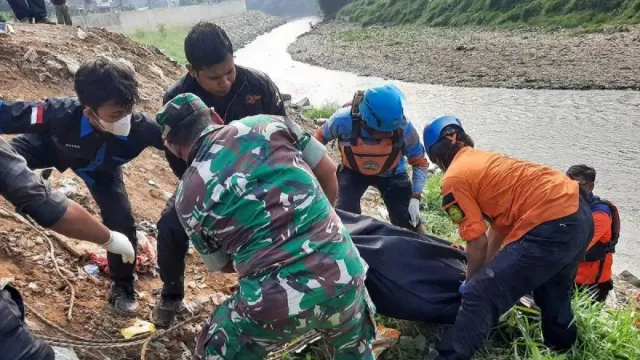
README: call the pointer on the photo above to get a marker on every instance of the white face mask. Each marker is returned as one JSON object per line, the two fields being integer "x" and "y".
{"x": 121, "y": 127}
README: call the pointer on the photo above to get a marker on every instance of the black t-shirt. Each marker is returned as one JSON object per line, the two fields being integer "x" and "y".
{"x": 253, "y": 93}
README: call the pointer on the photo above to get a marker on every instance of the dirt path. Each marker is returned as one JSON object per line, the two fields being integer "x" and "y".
{"x": 515, "y": 58}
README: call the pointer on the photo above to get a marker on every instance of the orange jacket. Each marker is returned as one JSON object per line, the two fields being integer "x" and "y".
{"x": 513, "y": 195}
{"x": 587, "y": 271}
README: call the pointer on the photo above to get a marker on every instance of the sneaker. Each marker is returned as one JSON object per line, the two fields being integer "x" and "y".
{"x": 123, "y": 301}
{"x": 25, "y": 20}
{"x": 46, "y": 20}
{"x": 164, "y": 312}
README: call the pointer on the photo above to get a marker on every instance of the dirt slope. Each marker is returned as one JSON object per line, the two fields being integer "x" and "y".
{"x": 36, "y": 63}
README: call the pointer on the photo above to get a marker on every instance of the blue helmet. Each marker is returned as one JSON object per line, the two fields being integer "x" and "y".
{"x": 382, "y": 108}
{"x": 433, "y": 132}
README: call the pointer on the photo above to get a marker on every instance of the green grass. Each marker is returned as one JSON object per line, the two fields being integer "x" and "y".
{"x": 604, "y": 334}
{"x": 322, "y": 112}
{"x": 170, "y": 41}
{"x": 564, "y": 13}
{"x": 436, "y": 221}
{"x": 5, "y": 16}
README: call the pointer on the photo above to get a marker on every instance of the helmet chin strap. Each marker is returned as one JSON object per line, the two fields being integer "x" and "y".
{"x": 453, "y": 137}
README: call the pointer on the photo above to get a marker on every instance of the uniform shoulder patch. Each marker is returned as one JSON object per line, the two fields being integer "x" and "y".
{"x": 452, "y": 208}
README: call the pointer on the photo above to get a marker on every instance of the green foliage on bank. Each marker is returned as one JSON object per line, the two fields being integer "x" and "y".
{"x": 565, "y": 13}
{"x": 285, "y": 8}
{"x": 330, "y": 8}
{"x": 169, "y": 41}
{"x": 322, "y": 112}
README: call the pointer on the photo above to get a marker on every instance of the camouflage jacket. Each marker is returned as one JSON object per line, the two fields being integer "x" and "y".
{"x": 250, "y": 197}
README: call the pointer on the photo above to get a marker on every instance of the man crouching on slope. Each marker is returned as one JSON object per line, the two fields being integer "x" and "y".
{"x": 250, "y": 199}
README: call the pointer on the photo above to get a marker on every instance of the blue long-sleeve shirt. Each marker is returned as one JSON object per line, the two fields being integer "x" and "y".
{"x": 339, "y": 127}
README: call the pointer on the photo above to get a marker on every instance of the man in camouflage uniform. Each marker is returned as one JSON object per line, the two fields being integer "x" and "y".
{"x": 250, "y": 199}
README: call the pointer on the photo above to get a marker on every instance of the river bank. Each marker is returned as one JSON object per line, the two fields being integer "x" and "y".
{"x": 478, "y": 57}
{"x": 241, "y": 29}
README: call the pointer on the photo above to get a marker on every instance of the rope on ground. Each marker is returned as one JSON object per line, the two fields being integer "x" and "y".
{"x": 143, "y": 353}
{"x": 51, "y": 252}
{"x": 72, "y": 335}
{"x": 111, "y": 344}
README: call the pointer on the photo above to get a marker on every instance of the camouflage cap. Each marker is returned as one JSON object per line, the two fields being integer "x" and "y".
{"x": 177, "y": 110}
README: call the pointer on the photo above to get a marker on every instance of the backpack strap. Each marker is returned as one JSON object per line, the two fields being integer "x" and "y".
{"x": 356, "y": 118}
{"x": 396, "y": 148}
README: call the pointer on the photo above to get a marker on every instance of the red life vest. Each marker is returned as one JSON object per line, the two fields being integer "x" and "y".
{"x": 370, "y": 159}
{"x": 599, "y": 251}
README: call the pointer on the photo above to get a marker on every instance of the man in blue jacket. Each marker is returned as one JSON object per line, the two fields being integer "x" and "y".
{"x": 376, "y": 143}
{"x": 93, "y": 135}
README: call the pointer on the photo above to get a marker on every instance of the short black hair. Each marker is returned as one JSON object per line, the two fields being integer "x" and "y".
{"x": 586, "y": 172}
{"x": 186, "y": 132}
{"x": 207, "y": 44}
{"x": 102, "y": 80}
{"x": 443, "y": 151}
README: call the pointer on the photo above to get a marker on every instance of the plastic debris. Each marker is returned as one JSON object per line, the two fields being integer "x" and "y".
{"x": 81, "y": 34}
{"x": 92, "y": 269}
{"x": 146, "y": 259}
{"x": 386, "y": 338}
{"x": 6, "y": 28}
{"x": 139, "y": 327}
{"x": 218, "y": 298}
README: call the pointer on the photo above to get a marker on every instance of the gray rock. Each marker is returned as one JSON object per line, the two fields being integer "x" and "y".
{"x": 405, "y": 341}
{"x": 30, "y": 56}
{"x": 630, "y": 278}
{"x": 420, "y": 342}
{"x": 64, "y": 353}
{"x": 304, "y": 102}
{"x": 320, "y": 121}
{"x": 285, "y": 97}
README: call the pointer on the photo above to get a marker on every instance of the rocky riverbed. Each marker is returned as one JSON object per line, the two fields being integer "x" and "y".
{"x": 472, "y": 57}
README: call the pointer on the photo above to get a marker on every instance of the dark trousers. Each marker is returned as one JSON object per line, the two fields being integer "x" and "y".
{"x": 173, "y": 244}
{"x": 395, "y": 190}
{"x": 598, "y": 292}
{"x": 16, "y": 341}
{"x": 26, "y": 9}
{"x": 107, "y": 188}
{"x": 544, "y": 261}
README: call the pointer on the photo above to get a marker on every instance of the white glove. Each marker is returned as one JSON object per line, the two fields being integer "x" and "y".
{"x": 414, "y": 211}
{"x": 120, "y": 244}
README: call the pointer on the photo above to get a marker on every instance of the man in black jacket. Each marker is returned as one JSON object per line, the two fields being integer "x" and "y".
{"x": 234, "y": 92}
{"x": 93, "y": 135}
{"x": 33, "y": 196}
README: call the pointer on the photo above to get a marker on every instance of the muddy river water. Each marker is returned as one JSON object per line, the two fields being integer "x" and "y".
{"x": 555, "y": 127}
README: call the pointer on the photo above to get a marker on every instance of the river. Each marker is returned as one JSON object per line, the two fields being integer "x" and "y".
{"x": 556, "y": 127}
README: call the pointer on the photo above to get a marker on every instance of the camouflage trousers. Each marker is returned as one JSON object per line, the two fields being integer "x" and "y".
{"x": 346, "y": 322}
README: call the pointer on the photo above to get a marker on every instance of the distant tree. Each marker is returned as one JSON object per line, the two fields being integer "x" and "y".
{"x": 330, "y": 8}
{"x": 285, "y": 8}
